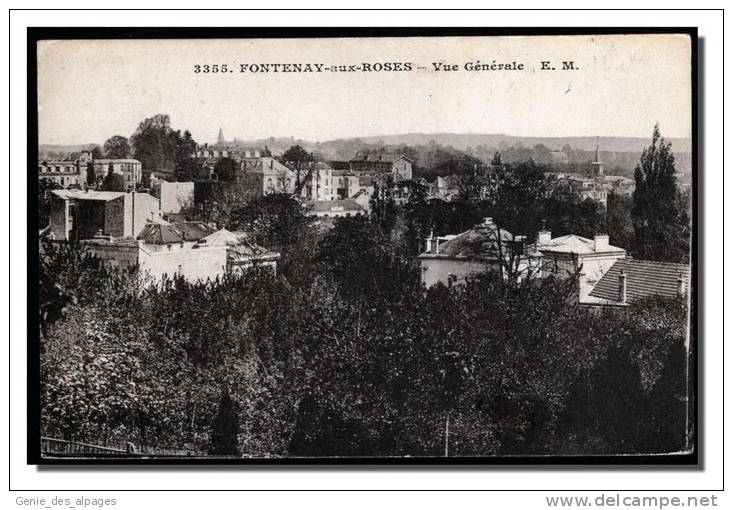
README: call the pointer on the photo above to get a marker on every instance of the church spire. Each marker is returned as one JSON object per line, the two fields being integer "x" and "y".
{"x": 220, "y": 140}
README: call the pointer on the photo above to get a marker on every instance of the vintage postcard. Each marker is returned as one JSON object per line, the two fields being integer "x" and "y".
{"x": 304, "y": 246}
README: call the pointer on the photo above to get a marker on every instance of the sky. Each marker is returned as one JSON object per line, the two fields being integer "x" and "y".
{"x": 91, "y": 90}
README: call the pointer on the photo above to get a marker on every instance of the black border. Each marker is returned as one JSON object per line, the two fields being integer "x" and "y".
{"x": 35, "y": 34}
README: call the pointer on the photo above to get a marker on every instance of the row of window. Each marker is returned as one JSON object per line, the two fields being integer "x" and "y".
{"x": 57, "y": 169}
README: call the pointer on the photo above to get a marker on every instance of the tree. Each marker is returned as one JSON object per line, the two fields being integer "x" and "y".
{"x": 117, "y": 147}
{"x": 661, "y": 223}
{"x": 45, "y": 186}
{"x": 225, "y": 429}
{"x": 382, "y": 204}
{"x": 91, "y": 175}
{"x": 113, "y": 181}
{"x": 226, "y": 169}
{"x": 186, "y": 170}
{"x": 302, "y": 163}
{"x": 158, "y": 146}
{"x": 97, "y": 152}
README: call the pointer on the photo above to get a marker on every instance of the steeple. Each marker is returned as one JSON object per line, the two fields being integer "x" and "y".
{"x": 220, "y": 140}
{"x": 597, "y": 164}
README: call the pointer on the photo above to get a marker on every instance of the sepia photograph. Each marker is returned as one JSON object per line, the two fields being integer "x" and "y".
{"x": 354, "y": 246}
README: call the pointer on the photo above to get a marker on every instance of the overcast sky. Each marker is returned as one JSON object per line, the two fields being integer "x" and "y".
{"x": 91, "y": 90}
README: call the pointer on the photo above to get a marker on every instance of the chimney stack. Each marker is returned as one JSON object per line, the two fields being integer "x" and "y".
{"x": 622, "y": 287}
{"x": 544, "y": 236}
{"x": 600, "y": 242}
{"x": 681, "y": 285}
{"x": 429, "y": 243}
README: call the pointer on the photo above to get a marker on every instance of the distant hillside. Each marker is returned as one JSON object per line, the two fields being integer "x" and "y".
{"x": 49, "y": 151}
{"x": 621, "y": 154}
{"x": 499, "y": 141}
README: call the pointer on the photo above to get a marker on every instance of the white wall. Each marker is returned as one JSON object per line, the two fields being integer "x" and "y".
{"x": 434, "y": 270}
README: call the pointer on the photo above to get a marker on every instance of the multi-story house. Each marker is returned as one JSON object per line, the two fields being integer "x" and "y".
{"x": 320, "y": 184}
{"x": 64, "y": 173}
{"x": 397, "y": 165}
{"x": 265, "y": 175}
{"x": 130, "y": 169}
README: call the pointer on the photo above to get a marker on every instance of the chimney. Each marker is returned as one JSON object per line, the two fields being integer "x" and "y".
{"x": 429, "y": 241}
{"x": 600, "y": 242}
{"x": 622, "y": 287}
{"x": 681, "y": 285}
{"x": 544, "y": 236}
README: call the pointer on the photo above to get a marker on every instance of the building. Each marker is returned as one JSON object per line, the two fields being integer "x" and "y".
{"x": 567, "y": 255}
{"x": 163, "y": 250}
{"x": 241, "y": 251}
{"x": 320, "y": 185}
{"x": 265, "y": 175}
{"x": 78, "y": 215}
{"x": 597, "y": 165}
{"x": 444, "y": 187}
{"x": 364, "y": 199}
{"x": 397, "y": 165}
{"x": 558, "y": 157}
{"x": 131, "y": 170}
{"x": 346, "y": 183}
{"x": 452, "y": 259}
{"x": 64, "y": 173}
{"x": 228, "y": 150}
{"x": 334, "y": 208}
{"x": 628, "y": 280}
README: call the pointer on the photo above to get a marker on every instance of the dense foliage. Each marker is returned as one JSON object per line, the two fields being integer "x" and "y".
{"x": 356, "y": 359}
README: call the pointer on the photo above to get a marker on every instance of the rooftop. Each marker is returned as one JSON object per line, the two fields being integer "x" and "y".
{"x": 480, "y": 242}
{"x": 379, "y": 158}
{"x": 643, "y": 278}
{"x": 75, "y": 194}
{"x": 121, "y": 160}
{"x": 238, "y": 244}
{"x": 347, "y": 204}
{"x": 572, "y": 243}
{"x": 265, "y": 165}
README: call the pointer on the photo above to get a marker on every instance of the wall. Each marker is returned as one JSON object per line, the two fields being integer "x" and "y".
{"x": 115, "y": 214}
{"x": 593, "y": 268}
{"x": 60, "y": 220}
{"x": 438, "y": 269}
{"x": 139, "y": 208}
{"x": 193, "y": 265}
{"x": 115, "y": 255}
{"x": 403, "y": 168}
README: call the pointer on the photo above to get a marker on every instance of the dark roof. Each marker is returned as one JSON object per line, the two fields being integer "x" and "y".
{"x": 480, "y": 242}
{"x": 330, "y": 205}
{"x": 159, "y": 233}
{"x": 643, "y": 278}
{"x": 379, "y": 158}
